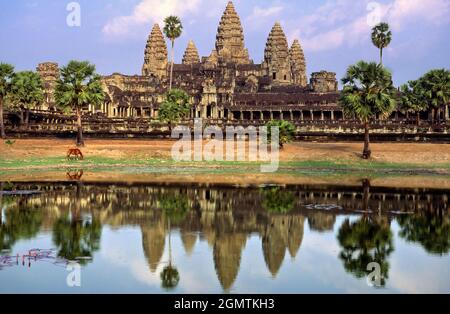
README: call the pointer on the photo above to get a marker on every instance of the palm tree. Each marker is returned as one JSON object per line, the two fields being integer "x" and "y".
{"x": 436, "y": 84}
{"x": 79, "y": 86}
{"x": 363, "y": 242}
{"x": 286, "y": 131}
{"x": 26, "y": 92}
{"x": 172, "y": 29}
{"x": 381, "y": 37}
{"x": 174, "y": 108}
{"x": 413, "y": 98}
{"x": 6, "y": 75}
{"x": 368, "y": 92}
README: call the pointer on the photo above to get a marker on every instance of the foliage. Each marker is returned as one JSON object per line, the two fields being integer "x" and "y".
{"x": 381, "y": 37}
{"x": 435, "y": 85}
{"x": 172, "y": 27}
{"x": 10, "y": 142}
{"x": 175, "y": 108}
{"x": 6, "y": 76}
{"x": 431, "y": 230}
{"x": 76, "y": 238}
{"x": 26, "y": 90}
{"x": 368, "y": 91}
{"x": 78, "y": 86}
{"x": 413, "y": 97}
{"x": 364, "y": 242}
{"x": 276, "y": 200}
{"x": 174, "y": 206}
{"x": 286, "y": 131}
{"x": 21, "y": 222}
{"x": 169, "y": 277}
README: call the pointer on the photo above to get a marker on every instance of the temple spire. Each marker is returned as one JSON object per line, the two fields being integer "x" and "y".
{"x": 230, "y": 44}
{"x": 298, "y": 64}
{"x": 191, "y": 55}
{"x": 155, "y": 60}
{"x": 276, "y": 56}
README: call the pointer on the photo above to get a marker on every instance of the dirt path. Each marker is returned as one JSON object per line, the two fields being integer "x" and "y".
{"x": 406, "y": 153}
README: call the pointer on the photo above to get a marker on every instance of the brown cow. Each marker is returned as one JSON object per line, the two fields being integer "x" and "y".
{"x": 76, "y": 153}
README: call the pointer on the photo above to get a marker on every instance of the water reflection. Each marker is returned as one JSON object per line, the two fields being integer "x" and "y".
{"x": 225, "y": 218}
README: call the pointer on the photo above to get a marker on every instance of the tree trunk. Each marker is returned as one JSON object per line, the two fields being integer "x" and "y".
{"x": 21, "y": 117}
{"x": 80, "y": 141}
{"x": 171, "y": 64}
{"x": 366, "y": 194}
{"x": 366, "y": 153}
{"x": 27, "y": 118}
{"x": 418, "y": 118}
{"x": 432, "y": 116}
{"x": 381, "y": 56}
{"x": 2, "y": 124}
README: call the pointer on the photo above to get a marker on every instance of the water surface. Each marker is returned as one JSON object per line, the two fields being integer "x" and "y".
{"x": 215, "y": 239}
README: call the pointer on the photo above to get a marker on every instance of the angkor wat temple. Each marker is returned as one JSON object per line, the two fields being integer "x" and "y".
{"x": 226, "y": 87}
{"x": 226, "y": 84}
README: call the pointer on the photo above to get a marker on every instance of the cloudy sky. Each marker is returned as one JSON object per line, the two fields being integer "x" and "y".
{"x": 334, "y": 33}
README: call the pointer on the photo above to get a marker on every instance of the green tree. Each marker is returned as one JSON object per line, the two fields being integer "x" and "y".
{"x": 78, "y": 87}
{"x": 76, "y": 238}
{"x": 173, "y": 30}
{"x": 286, "y": 131}
{"x": 175, "y": 108}
{"x": 430, "y": 229}
{"x": 413, "y": 98}
{"x": 363, "y": 242}
{"x": 6, "y": 75}
{"x": 436, "y": 86}
{"x": 22, "y": 221}
{"x": 278, "y": 201}
{"x": 175, "y": 208}
{"x": 381, "y": 38}
{"x": 26, "y": 92}
{"x": 368, "y": 92}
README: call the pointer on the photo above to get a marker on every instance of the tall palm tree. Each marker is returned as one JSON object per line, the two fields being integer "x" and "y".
{"x": 436, "y": 84}
{"x": 79, "y": 86}
{"x": 173, "y": 30}
{"x": 6, "y": 75}
{"x": 413, "y": 98}
{"x": 368, "y": 92}
{"x": 26, "y": 92}
{"x": 381, "y": 37}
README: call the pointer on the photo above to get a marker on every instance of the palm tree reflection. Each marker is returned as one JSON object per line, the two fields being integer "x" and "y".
{"x": 363, "y": 242}
{"x": 430, "y": 229}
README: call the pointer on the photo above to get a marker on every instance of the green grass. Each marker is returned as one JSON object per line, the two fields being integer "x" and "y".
{"x": 314, "y": 166}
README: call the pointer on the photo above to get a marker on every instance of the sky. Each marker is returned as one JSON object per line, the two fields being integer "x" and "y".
{"x": 112, "y": 34}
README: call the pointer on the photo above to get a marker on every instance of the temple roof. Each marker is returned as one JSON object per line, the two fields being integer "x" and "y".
{"x": 277, "y": 49}
{"x": 191, "y": 54}
{"x": 230, "y": 45}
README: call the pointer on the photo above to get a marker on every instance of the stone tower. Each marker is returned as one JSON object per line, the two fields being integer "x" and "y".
{"x": 155, "y": 61}
{"x": 276, "y": 56}
{"x": 324, "y": 82}
{"x": 298, "y": 64}
{"x": 49, "y": 73}
{"x": 191, "y": 55}
{"x": 230, "y": 45}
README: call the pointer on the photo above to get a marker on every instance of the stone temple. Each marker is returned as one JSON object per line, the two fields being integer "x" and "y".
{"x": 226, "y": 85}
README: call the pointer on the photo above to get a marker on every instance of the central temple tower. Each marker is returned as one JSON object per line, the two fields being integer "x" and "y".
{"x": 230, "y": 46}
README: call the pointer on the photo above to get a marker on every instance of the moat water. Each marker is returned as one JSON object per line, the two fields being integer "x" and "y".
{"x": 105, "y": 238}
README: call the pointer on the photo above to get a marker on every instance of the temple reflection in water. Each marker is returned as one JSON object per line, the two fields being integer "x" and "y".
{"x": 225, "y": 217}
